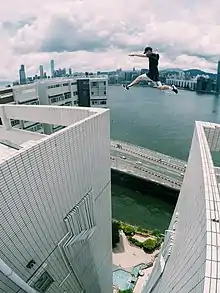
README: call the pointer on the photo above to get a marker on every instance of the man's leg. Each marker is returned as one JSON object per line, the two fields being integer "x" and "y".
{"x": 166, "y": 87}
{"x": 137, "y": 80}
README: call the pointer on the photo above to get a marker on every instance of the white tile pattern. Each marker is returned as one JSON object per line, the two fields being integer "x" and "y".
{"x": 194, "y": 261}
{"x": 41, "y": 184}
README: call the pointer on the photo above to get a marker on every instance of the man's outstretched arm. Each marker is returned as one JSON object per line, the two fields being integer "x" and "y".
{"x": 138, "y": 55}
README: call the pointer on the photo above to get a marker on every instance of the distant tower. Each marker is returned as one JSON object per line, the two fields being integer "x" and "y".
{"x": 218, "y": 78}
{"x": 52, "y": 68}
{"x": 70, "y": 71}
{"x": 22, "y": 75}
{"x": 41, "y": 71}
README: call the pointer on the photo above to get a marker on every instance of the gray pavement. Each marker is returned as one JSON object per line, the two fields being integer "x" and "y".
{"x": 147, "y": 164}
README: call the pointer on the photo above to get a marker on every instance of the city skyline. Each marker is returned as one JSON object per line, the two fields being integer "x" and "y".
{"x": 96, "y": 39}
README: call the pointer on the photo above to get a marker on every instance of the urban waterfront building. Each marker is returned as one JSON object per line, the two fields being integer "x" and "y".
{"x": 22, "y": 75}
{"x": 189, "y": 260}
{"x": 41, "y": 69}
{"x": 218, "y": 78}
{"x": 55, "y": 202}
{"x": 76, "y": 91}
{"x": 186, "y": 84}
{"x": 6, "y": 95}
{"x": 52, "y": 68}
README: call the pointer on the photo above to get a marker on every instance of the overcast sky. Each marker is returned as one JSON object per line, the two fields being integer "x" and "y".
{"x": 99, "y": 34}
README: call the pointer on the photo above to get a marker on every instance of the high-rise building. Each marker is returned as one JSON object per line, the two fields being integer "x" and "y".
{"x": 41, "y": 68}
{"x": 55, "y": 202}
{"x": 22, "y": 75}
{"x": 218, "y": 78}
{"x": 91, "y": 91}
{"x": 52, "y": 68}
{"x": 189, "y": 260}
{"x": 70, "y": 71}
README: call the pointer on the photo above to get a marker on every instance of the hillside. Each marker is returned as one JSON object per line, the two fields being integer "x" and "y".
{"x": 192, "y": 72}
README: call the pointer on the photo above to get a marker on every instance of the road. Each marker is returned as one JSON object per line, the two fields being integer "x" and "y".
{"x": 147, "y": 164}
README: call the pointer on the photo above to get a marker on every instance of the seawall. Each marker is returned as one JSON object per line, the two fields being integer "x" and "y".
{"x": 138, "y": 184}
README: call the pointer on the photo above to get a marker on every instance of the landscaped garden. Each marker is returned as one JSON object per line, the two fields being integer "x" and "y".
{"x": 148, "y": 240}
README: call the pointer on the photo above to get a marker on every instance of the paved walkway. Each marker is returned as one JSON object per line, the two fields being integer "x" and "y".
{"x": 141, "y": 280}
{"x": 127, "y": 256}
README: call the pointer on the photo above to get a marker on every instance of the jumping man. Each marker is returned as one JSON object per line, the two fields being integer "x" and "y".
{"x": 153, "y": 73}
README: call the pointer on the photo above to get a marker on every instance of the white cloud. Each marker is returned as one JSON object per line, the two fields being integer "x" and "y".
{"x": 94, "y": 34}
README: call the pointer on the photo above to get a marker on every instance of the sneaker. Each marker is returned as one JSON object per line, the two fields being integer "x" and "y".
{"x": 126, "y": 86}
{"x": 174, "y": 89}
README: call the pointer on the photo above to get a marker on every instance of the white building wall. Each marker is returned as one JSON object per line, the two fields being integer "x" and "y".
{"x": 25, "y": 93}
{"x": 99, "y": 91}
{"x": 41, "y": 185}
{"x": 193, "y": 240}
{"x": 191, "y": 84}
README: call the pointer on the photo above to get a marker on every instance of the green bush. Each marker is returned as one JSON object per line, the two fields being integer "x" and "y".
{"x": 159, "y": 242}
{"x": 149, "y": 244}
{"x": 126, "y": 291}
{"x": 134, "y": 241}
{"x": 128, "y": 229}
{"x": 115, "y": 233}
{"x": 156, "y": 233}
{"x": 142, "y": 230}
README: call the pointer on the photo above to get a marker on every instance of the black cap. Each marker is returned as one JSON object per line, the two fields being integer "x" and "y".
{"x": 147, "y": 49}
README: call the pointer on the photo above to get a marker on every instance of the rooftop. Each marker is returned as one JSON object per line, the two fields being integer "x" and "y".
{"x": 59, "y": 80}
{"x": 14, "y": 141}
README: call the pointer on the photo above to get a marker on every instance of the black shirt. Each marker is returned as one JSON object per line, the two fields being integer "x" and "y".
{"x": 153, "y": 63}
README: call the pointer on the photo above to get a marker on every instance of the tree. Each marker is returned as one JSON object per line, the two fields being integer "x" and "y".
{"x": 156, "y": 233}
{"x": 115, "y": 233}
{"x": 129, "y": 230}
{"x": 149, "y": 244}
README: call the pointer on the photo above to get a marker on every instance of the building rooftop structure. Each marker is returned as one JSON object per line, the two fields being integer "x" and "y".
{"x": 189, "y": 260}
{"x": 55, "y": 194}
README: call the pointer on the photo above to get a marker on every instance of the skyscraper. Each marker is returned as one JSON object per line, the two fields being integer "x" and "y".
{"x": 52, "y": 68}
{"x": 189, "y": 260}
{"x": 70, "y": 71}
{"x": 22, "y": 75}
{"x": 41, "y": 68}
{"x": 218, "y": 78}
{"x": 55, "y": 202}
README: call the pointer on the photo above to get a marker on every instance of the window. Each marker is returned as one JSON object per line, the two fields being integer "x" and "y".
{"x": 105, "y": 93}
{"x": 104, "y": 82}
{"x": 103, "y": 102}
{"x": 67, "y": 95}
{"x": 53, "y": 86}
{"x": 92, "y": 93}
{"x": 75, "y": 93}
{"x": 55, "y": 99}
{"x": 57, "y": 127}
{"x": 68, "y": 104}
{"x": 14, "y": 122}
{"x": 35, "y": 128}
{"x": 65, "y": 84}
{"x": 73, "y": 83}
{"x": 43, "y": 283}
{"x": 34, "y": 103}
{"x": 75, "y": 102}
